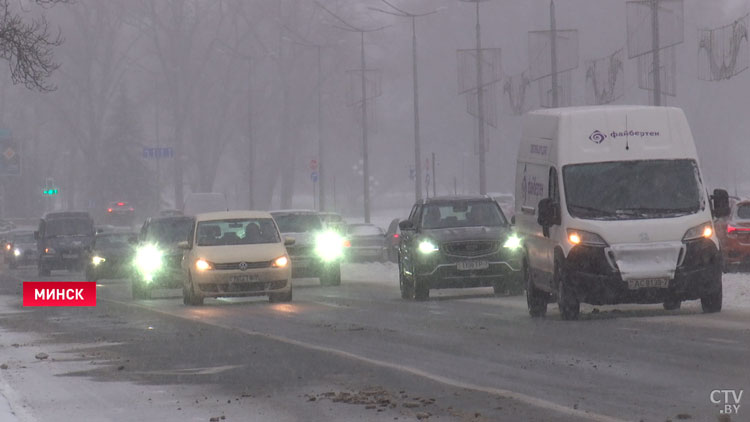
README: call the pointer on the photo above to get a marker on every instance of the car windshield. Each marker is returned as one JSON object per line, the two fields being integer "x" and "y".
{"x": 743, "y": 211}
{"x": 169, "y": 230}
{"x": 624, "y": 190}
{"x": 364, "y": 230}
{"x": 462, "y": 214}
{"x": 237, "y": 232}
{"x": 68, "y": 227}
{"x": 113, "y": 241}
{"x": 24, "y": 238}
{"x": 298, "y": 223}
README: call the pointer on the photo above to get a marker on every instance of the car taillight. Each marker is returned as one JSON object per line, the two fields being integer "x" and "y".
{"x": 731, "y": 229}
{"x": 109, "y": 210}
{"x": 120, "y": 204}
{"x": 395, "y": 235}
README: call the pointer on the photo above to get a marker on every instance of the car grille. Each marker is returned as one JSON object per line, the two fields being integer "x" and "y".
{"x": 236, "y": 265}
{"x": 471, "y": 248}
{"x": 254, "y": 286}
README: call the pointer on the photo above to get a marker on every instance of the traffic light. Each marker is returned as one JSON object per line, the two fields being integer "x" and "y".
{"x": 50, "y": 192}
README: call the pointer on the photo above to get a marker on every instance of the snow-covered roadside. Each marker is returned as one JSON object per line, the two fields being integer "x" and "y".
{"x": 736, "y": 291}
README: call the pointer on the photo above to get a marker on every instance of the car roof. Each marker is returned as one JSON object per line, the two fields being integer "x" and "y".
{"x": 66, "y": 214}
{"x": 293, "y": 211}
{"x": 456, "y": 198}
{"x": 222, "y": 215}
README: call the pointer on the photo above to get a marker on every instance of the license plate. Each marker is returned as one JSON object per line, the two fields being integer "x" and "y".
{"x": 648, "y": 283}
{"x": 246, "y": 278}
{"x": 472, "y": 265}
{"x": 70, "y": 256}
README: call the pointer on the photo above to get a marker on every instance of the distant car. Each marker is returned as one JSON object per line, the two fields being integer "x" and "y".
{"x": 317, "y": 251}
{"x": 392, "y": 239}
{"x": 158, "y": 261}
{"x": 457, "y": 242}
{"x": 333, "y": 221}
{"x": 235, "y": 253}
{"x": 63, "y": 241}
{"x": 22, "y": 249}
{"x": 203, "y": 202}
{"x": 111, "y": 256}
{"x": 734, "y": 237}
{"x": 366, "y": 242}
{"x": 170, "y": 213}
{"x": 120, "y": 213}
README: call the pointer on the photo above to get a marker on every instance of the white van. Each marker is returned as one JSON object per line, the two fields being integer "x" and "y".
{"x": 203, "y": 202}
{"x": 611, "y": 206}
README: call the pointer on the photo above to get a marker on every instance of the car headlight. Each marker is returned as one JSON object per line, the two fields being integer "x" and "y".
{"x": 148, "y": 260}
{"x": 427, "y": 247}
{"x": 582, "y": 237}
{"x": 49, "y": 251}
{"x": 96, "y": 260}
{"x": 329, "y": 246}
{"x": 513, "y": 242}
{"x": 704, "y": 230}
{"x": 281, "y": 262}
{"x": 203, "y": 265}
{"x": 17, "y": 252}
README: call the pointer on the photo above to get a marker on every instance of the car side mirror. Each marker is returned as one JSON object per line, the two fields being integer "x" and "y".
{"x": 289, "y": 241}
{"x": 36, "y": 235}
{"x": 720, "y": 203}
{"x": 549, "y": 213}
{"x": 184, "y": 245}
{"x": 406, "y": 225}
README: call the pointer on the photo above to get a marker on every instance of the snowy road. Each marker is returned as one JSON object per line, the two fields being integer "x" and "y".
{"x": 480, "y": 357}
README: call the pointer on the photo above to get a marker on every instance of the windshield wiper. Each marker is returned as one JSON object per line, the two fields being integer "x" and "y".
{"x": 596, "y": 211}
{"x": 642, "y": 211}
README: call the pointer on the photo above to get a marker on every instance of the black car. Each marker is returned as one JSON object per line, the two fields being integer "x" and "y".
{"x": 457, "y": 242}
{"x": 64, "y": 241}
{"x": 22, "y": 250}
{"x": 157, "y": 261}
{"x": 366, "y": 242}
{"x": 111, "y": 256}
{"x": 317, "y": 250}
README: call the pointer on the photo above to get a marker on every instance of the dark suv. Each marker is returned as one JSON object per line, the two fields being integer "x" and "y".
{"x": 158, "y": 260}
{"x": 457, "y": 242}
{"x": 64, "y": 241}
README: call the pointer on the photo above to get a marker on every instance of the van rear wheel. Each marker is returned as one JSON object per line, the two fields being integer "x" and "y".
{"x": 567, "y": 301}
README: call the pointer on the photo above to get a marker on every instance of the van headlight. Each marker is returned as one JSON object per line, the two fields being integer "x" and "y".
{"x": 428, "y": 247}
{"x": 582, "y": 237}
{"x": 329, "y": 245}
{"x": 705, "y": 230}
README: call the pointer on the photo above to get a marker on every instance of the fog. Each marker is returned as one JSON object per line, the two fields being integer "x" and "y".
{"x": 199, "y": 76}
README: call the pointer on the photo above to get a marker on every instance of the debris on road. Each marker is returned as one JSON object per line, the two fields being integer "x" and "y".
{"x": 41, "y": 356}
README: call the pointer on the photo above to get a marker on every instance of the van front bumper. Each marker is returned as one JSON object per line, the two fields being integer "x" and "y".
{"x": 594, "y": 281}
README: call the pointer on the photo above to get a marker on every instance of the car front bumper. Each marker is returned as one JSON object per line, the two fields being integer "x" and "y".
{"x": 444, "y": 272}
{"x": 235, "y": 283}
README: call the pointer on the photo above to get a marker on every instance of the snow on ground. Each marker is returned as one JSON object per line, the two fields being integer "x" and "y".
{"x": 736, "y": 291}
{"x": 378, "y": 272}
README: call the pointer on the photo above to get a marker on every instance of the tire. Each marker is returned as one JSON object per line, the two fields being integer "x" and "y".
{"x": 711, "y": 303}
{"x": 189, "y": 297}
{"x": 331, "y": 275}
{"x": 536, "y": 300}
{"x": 672, "y": 304}
{"x": 281, "y": 297}
{"x": 567, "y": 302}
{"x": 407, "y": 288}
{"x": 43, "y": 270}
{"x": 421, "y": 289}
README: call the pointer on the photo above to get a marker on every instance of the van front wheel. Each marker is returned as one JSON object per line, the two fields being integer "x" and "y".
{"x": 567, "y": 301}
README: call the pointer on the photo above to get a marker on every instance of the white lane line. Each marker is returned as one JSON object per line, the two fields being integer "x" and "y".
{"x": 194, "y": 371}
{"x": 722, "y": 340}
{"x": 523, "y": 398}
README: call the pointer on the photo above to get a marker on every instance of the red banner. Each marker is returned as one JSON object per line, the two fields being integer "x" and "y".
{"x": 59, "y": 293}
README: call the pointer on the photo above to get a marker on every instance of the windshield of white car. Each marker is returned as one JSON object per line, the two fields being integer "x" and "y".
{"x": 462, "y": 214}
{"x": 630, "y": 190}
{"x": 252, "y": 231}
{"x": 298, "y": 223}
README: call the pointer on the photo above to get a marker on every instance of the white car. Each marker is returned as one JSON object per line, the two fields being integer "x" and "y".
{"x": 236, "y": 253}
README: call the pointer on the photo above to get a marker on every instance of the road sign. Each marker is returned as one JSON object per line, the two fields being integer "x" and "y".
{"x": 314, "y": 176}
{"x": 10, "y": 159}
{"x": 314, "y": 165}
{"x": 158, "y": 153}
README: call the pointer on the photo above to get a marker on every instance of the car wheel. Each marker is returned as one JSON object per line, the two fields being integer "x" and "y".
{"x": 331, "y": 275}
{"x": 407, "y": 290}
{"x": 567, "y": 302}
{"x": 281, "y": 297}
{"x": 711, "y": 303}
{"x": 421, "y": 288}
{"x": 535, "y": 299}
{"x": 672, "y": 304}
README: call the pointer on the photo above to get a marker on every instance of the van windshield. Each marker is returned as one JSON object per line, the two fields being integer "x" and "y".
{"x": 69, "y": 227}
{"x": 629, "y": 190}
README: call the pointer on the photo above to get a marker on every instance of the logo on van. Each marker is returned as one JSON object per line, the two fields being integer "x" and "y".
{"x": 597, "y": 137}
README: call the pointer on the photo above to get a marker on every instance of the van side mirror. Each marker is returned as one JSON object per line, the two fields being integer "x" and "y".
{"x": 406, "y": 225}
{"x": 720, "y": 203}
{"x": 549, "y": 213}
{"x": 36, "y": 235}
{"x": 289, "y": 241}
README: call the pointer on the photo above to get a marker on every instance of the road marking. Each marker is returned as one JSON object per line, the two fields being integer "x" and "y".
{"x": 194, "y": 371}
{"x": 722, "y": 340}
{"x": 523, "y": 398}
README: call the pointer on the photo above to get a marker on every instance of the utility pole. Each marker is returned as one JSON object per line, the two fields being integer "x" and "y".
{"x": 415, "y": 74}
{"x": 434, "y": 177}
{"x": 553, "y": 49}
{"x": 365, "y": 158}
{"x": 655, "y": 47}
